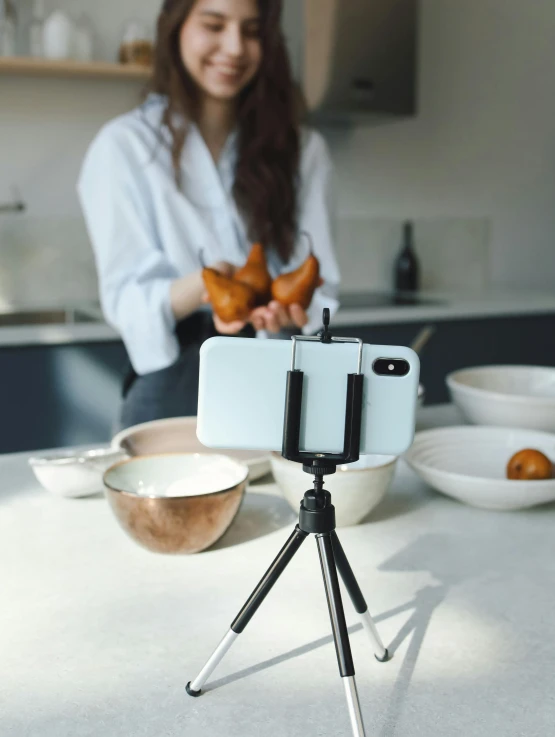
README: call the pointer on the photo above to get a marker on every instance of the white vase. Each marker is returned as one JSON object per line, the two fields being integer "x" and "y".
{"x": 58, "y": 36}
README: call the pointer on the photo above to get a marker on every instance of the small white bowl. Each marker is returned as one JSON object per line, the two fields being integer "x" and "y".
{"x": 356, "y": 488}
{"x": 469, "y": 464}
{"x": 75, "y": 475}
{"x": 506, "y": 396}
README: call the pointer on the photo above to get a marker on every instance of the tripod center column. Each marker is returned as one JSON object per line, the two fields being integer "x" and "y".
{"x": 317, "y": 513}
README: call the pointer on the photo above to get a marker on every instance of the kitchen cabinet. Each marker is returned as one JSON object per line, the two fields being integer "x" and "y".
{"x": 460, "y": 343}
{"x": 58, "y": 395}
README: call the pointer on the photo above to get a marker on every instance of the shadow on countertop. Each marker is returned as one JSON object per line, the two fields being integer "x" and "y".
{"x": 259, "y": 515}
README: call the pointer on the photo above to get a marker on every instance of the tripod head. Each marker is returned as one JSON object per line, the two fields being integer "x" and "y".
{"x": 317, "y": 511}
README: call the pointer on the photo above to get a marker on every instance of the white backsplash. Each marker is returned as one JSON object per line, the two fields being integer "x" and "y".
{"x": 49, "y": 262}
{"x": 454, "y": 253}
{"x": 45, "y": 262}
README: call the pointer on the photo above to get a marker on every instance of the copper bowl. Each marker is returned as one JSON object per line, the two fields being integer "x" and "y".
{"x": 176, "y": 503}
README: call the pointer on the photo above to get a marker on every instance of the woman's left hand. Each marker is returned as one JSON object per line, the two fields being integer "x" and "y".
{"x": 274, "y": 317}
{"x": 228, "y": 328}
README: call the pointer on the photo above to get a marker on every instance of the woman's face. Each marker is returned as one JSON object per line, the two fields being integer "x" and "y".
{"x": 220, "y": 46}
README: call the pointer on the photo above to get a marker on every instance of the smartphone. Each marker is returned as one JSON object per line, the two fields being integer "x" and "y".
{"x": 242, "y": 387}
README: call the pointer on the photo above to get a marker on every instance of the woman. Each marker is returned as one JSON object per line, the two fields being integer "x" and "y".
{"x": 213, "y": 161}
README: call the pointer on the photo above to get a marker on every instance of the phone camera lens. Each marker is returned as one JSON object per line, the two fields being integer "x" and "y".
{"x": 394, "y": 367}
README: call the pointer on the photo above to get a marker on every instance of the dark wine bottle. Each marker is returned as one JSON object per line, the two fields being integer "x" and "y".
{"x": 407, "y": 269}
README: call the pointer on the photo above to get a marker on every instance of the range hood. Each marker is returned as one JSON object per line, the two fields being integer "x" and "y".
{"x": 358, "y": 58}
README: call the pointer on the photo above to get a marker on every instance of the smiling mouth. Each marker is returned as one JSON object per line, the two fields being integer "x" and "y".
{"x": 228, "y": 72}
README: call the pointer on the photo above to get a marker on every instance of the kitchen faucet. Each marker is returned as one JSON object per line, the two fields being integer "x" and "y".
{"x": 17, "y": 206}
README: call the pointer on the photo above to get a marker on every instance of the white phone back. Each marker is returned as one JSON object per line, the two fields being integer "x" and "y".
{"x": 242, "y": 395}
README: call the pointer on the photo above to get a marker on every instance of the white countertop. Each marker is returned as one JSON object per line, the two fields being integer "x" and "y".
{"x": 494, "y": 303}
{"x": 468, "y": 305}
{"x": 57, "y": 334}
{"x": 99, "y": 637}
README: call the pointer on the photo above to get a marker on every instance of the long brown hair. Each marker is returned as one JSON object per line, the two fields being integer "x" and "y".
{"x": 267, "y": 171}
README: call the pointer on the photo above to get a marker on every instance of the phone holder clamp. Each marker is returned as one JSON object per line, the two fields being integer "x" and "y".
{"x": 320, "y": 464}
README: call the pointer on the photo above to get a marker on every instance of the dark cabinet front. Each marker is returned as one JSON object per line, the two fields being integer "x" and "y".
{"x": 460, "y": 343}
{"x": 55, "y": 396}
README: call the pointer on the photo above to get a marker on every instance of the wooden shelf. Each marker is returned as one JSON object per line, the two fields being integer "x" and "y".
{"x": 19, "y": 65}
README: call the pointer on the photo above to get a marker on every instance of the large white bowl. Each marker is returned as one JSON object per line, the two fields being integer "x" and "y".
{"x": 179, "y": 435}
{"x": 469, "y": 464}
{"x": 506, "y": 396}
{"x": 356, "y": 488}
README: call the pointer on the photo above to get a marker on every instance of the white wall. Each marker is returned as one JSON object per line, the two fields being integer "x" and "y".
{"x": 45, "y": 127}
{"x": 482, "y": 147}
{"x": 484, "y": 141}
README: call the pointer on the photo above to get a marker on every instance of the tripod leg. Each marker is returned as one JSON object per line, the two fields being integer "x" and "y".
{"x": 249, "y": 610}
{"x": 340, "y": 634}
{"x": 357, "y": 598}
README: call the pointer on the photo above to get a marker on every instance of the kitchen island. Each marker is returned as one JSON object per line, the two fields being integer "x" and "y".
{"x": 99, "y": 637}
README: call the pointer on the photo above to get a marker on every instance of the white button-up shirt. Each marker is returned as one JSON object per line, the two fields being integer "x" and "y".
{"x": 146, "y": 232}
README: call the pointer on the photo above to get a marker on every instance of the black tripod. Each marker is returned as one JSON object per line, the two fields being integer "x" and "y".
{"x": 317, "y": 516}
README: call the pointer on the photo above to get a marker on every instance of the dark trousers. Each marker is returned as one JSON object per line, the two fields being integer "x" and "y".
{"x": 172, "y": 391}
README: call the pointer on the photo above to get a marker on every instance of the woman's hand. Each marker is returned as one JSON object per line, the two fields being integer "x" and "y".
{"x": 228, "y": 328}
{"x": 274, "y": 317}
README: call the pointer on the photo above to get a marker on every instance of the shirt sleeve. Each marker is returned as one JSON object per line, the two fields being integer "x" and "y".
{"x": 316, "y": 215}
{"x": 134, "y": 273}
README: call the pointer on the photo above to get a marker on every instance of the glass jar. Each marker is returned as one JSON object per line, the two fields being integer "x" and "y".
{"x": 36, "y": 29}
{"x": 136, "y": 46}
{"x": 8, "y": 28}
{"x": 83, "y": 38}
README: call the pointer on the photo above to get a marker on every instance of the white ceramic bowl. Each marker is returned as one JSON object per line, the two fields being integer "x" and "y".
{"x": 179, "y": 435}
{"x": 506, "y": 396}
{"x": 356, "y": 488}
{"x": 75, "y": 475}
{"x": 469, "y": 464}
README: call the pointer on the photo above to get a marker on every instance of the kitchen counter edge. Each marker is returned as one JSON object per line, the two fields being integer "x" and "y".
{"x": 470, "y": 307}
